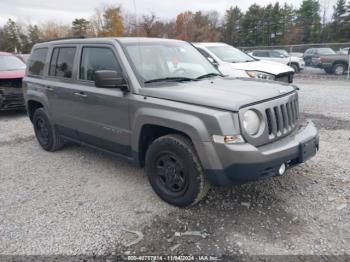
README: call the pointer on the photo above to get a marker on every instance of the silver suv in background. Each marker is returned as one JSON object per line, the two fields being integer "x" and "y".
{"x": 280, "y": 56}
{"x": 160, "y": 104}
{"x": 233, "y": 62}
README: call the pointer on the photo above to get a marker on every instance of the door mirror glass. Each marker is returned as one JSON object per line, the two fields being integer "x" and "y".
{"x": 109, "y": 79}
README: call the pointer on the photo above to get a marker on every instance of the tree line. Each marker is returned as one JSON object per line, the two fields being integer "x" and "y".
{"x": 273, "y": 24}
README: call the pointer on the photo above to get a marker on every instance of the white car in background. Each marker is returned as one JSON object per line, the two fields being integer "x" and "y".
{"x": 344, "y": 51}
{"x": 233, "y": 62}
{"x": 280, "y": 56}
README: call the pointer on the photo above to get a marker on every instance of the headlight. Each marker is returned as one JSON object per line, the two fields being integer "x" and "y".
{"x": 260, "y": 75}
{"x": 251, "y": 122}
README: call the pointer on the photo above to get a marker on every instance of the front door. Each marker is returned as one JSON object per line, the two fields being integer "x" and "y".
{"x": 102, "y": 113}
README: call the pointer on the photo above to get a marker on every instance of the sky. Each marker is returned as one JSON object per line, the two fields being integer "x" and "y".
{"x": 64, "y": 11}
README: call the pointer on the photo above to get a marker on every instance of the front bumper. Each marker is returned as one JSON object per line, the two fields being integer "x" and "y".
{"x": 244, "y": 163}
{"x": 285, "y": 77}
{"x": 11, "y": 101}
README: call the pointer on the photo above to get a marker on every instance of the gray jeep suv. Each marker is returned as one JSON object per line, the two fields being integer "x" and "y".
{"x": 162, "y": 105}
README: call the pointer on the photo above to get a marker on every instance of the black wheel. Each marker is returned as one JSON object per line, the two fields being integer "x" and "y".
{"x": 175, "y": 172}
{"x": 45, "y": 133}
{"x": 295, "y": 67}
{"x": 339, "y": 69}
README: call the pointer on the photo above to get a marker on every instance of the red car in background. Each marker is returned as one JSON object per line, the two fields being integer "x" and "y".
{"x": 11, "y": 74}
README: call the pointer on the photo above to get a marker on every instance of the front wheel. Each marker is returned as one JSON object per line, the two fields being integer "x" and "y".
{"x": 175, "y": 172}
{"x": 295, "y": 68}
{"x": 339, "y": 69}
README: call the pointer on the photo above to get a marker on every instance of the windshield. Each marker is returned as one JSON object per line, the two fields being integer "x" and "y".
{"x": 173, "y": 60}
{"x": 230, "y": 54}
{"x": 11, "y": 63}
{"x": 326, "y": 51}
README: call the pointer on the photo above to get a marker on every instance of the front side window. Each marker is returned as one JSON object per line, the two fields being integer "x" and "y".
{"x": 62, "y": 62}
{"x": 311, "y": 51}
{"x": 36, "y": 62}
{"x": 230, "y": 54}
{"x": 326, "y": 51}
{"x": 97, "y": 58}
{"x": 11, "y": 63}
{"x": 168, "y": 60}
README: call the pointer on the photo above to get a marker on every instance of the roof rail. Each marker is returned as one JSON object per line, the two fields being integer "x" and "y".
{"x": 64, "y": 38}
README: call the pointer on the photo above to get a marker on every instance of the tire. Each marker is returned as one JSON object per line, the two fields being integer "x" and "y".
{"x": 175, "y": 172}
{"x": 295, "y": 67}
{"x": 339, "y": 69}
{"x": 45, "y": 133}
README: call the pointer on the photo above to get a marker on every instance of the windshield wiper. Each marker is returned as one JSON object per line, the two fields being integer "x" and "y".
{"x": 170, "y": 79}
{"x": 208, "y": 75}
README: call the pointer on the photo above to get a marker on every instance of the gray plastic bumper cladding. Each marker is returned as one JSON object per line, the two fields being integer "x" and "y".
{"x": 244, "y": 163}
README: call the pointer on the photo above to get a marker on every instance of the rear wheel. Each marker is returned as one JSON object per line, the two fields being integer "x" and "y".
{"x": 45, "y": 132}
{"x": 339, "y": 69}
{"x": 175, "y": 172}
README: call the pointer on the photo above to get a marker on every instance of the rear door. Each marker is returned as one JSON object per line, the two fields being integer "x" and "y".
{"x": 61, "y": 87}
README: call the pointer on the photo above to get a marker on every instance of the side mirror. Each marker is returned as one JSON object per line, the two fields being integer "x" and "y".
{"x": 109, "y": 79}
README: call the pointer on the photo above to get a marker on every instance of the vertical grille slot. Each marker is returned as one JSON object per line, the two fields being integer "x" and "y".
{"x": 278, "y": 117}
{"x": 296, "y": 108}
{"x": 284, "y": 117}
{"x": 269, "y": 120}
{"x": 290, "y": 115}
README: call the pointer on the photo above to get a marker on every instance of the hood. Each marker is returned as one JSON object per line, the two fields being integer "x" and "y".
{"x": 223, "y": 93}
{"x": 11, "y": 74}
{"x": 263, "y": 66}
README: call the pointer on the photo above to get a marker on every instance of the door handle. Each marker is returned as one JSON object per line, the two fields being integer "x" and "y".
{"x": 50, "y": 88}
{"x": 80, "y": 94}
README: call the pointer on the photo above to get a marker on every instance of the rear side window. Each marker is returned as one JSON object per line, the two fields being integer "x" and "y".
{"x": 62, "y": 62}
{"x": 261, "y": 54}
{"x": 97, "y": 58}
{"x": 275, "y": 54}
{"x": 36, "y": 62}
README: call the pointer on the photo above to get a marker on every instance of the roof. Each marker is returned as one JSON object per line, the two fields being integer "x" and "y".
{"x": 123, "y": 40}
{"x": 210, "y": 44}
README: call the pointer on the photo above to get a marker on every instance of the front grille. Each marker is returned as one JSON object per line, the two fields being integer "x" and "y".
{"x": 280, "y": 117}
{"x": 12, "y": 101}
{"x": 283, "y": 118}
{"x": 16, "y": 83}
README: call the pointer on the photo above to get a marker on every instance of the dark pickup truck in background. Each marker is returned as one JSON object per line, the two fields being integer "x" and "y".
{"x": 337, "y": 64}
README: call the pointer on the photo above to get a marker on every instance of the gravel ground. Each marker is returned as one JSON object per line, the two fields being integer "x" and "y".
{"x": 317, "y": 73}
{"x": 80, "y": 201}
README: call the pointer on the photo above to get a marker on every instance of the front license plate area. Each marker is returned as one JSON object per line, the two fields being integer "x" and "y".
{"x": 307, "y": 150}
